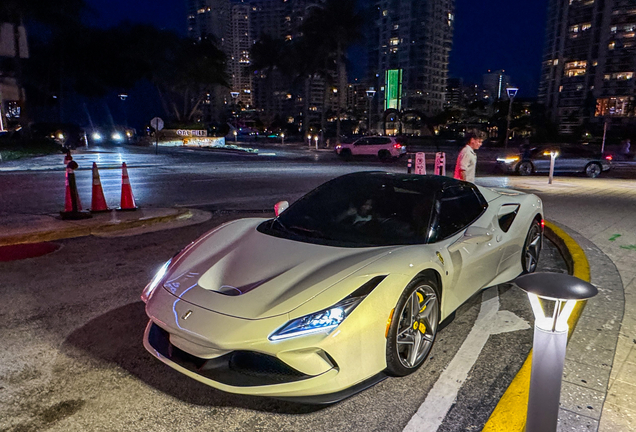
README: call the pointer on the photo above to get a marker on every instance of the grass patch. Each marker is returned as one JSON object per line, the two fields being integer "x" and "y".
{"x": 13, "y": 149}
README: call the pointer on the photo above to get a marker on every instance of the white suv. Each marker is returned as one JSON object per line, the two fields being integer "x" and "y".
{"x": 383, "y": 147}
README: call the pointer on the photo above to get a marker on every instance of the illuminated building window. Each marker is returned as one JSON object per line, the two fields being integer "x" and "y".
{"x": 607, "y": 77}
{"x": 612, "y": 45}
{"x": 385, "y": 12}
{"x": 620, "y": 106}
{"x": 575, "y": 68}
{"x": 623, "y": 75}
{"x": 394, "y": 41}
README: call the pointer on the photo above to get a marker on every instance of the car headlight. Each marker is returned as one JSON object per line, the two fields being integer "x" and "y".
{"x": 324, "y": 321}
{"x": 508, "y": 160}
{"x": 154, "y": 283}
{"x": 117, "y": 136}
{"x": 97, "y": 136}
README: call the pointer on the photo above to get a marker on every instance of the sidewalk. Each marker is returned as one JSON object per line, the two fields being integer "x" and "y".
{"x": 26, "y": 228}
{"x": 599, "y": 389}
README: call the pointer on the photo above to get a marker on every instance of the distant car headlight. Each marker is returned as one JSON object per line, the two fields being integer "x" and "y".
{"x": 508, "y": 160}
{"x": 60, "y": 136}
{"x": 96, "y": 136}
{"x": 154, "y": 283}
{"x": 117, "y": 136}
{"x": 324, "y": 321}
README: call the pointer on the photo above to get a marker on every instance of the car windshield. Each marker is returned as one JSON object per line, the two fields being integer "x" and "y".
{"x": 359, "y": 211}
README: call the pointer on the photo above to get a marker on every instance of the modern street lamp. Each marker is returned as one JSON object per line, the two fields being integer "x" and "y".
{"x": 552, "y": 297}
{"x": 370, "y": 95}
{"x": 512, "y": 92}
{"x": 123, "y": 97}
{"x": 235, "y": 96}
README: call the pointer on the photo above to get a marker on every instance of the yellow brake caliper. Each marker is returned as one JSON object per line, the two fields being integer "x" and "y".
{"x": 418, "y": 324}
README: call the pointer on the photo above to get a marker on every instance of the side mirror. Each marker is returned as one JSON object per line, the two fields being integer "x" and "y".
{"x": 473, "y": 235}
{"x": 280, "y": 207}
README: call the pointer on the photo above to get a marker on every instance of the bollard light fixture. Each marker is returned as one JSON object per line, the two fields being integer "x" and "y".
{"x": 555, "y": 294}
{"x": 552, "y": 297}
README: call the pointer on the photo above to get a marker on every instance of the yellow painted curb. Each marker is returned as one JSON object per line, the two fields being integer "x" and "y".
{"x": 510, "y": 413}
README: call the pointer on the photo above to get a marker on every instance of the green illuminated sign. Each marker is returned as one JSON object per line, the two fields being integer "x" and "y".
{"x": 393, "y": 92}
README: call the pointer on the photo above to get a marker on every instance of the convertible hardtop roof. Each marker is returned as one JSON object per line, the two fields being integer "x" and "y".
{"x": 426, "y": 182}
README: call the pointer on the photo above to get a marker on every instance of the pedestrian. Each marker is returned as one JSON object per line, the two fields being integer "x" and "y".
{"x": 625, "y": 147}
{"x": 467, "y": 159}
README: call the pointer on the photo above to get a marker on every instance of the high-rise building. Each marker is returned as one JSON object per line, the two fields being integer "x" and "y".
{"x": 495, "y": 83}
{"x": 408, "y": 49}
{"x": 589, "y": 63}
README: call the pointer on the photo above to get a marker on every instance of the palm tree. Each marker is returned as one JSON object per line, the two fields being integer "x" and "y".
{"x": 270, "y": 59}
{"x": 333, "y": 26}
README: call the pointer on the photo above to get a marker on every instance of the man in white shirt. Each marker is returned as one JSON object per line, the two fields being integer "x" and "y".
{"x": 467, "y": 159}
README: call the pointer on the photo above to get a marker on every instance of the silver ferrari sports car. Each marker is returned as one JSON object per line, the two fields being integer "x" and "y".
{"x": 343, "y": 288}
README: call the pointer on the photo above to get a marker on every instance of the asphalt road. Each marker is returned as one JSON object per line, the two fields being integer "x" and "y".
{"x": 71, "y": 356}
{"x": 72, "y": 359}
{"x": 206, "y": 179}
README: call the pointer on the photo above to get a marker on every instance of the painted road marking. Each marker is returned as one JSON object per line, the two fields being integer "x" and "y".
{"x": 440, "y": 399}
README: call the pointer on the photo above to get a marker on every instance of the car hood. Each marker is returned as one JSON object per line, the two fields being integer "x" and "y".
{"x": 237, "y": 270}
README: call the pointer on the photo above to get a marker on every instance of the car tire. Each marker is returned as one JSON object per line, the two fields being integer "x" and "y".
{"x": 384, "y": 155}
{"x": 532, "y": 248}
{"x": 411, "y": 335}
{"x": 525, "y": 168}
{"x": 593, "y": 169}
{"x": 345, "y": 154}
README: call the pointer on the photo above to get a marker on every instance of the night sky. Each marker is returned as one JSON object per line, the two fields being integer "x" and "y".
{"x": 489, "y": 34}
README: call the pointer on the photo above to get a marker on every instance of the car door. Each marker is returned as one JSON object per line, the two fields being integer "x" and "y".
{"x": 377, "y": 144}
{"x": 473, "y": 241}
{"x": 361, "y": 147}
{"x": 541, "y": 159}
{"x": 573, "y": 159}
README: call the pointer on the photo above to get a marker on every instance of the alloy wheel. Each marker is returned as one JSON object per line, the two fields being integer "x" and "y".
{"x": 532, "y": 249}
{"x": 417, "y": 327}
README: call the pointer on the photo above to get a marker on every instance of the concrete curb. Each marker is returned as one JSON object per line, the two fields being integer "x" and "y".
{"x": 72, "y": 229}
{"x": 511, "y": 411}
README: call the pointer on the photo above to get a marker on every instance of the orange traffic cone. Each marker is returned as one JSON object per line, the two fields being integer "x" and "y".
{"x": 72, "y": 203}
{"x": 127, "y": 199}
{"x": 68, "y": 202}
{"x": 98, "y": 202}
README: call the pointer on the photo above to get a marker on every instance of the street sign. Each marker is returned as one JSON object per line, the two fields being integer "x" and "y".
{"x": 420, "y": 163}
{"x": 156, "y": 123}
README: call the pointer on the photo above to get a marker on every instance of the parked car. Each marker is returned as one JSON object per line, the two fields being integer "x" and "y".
{"x": 348, "y": 284}
{"x": 569, "y": 159}
{"x": 68, "y": 135}
{"x": 384, "y": 148}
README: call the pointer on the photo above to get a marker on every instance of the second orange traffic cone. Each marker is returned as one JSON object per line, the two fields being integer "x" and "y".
{"x": 98, "y": 202}
{"x": 127, "y": 199}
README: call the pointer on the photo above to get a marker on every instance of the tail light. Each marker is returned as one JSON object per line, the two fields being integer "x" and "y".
{"x": 542, "y": 224}
{"x": 397, "y": 146}
{"x": 609, "y": 157}
{"x": 338, "y": 147}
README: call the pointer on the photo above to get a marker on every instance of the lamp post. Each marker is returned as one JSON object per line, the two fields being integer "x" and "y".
{"x": 512, "y": 92}
{"x": 556, "y": 293}
{"x": 370, "y": 95}
{"x": 235, "y": 96}
{"x": 123, "y": 97}
{"x": 282, "y": 138}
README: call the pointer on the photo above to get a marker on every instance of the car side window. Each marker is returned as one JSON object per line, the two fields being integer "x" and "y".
{"x": 456, "y": 208}
{"x": 364, "y": 141}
